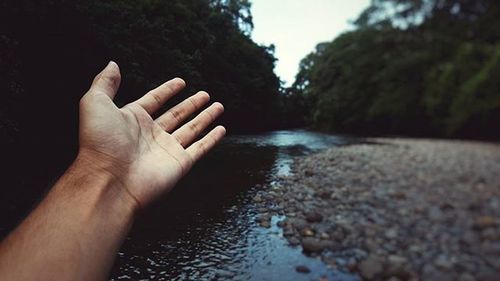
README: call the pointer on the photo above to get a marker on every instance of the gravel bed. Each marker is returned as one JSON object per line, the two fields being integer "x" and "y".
{"x": 400, "y": 209}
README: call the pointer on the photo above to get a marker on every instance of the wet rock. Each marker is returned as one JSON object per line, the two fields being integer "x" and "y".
{"x": 446, "y": 206}
{"x": 220, "y": 273}
{"x": 257, "y": 198}
{"x": 391, "y": 233}
{"x": 265, "y": 224}
{"x": 415, "y": 204}
{"x": 398, "y": 195}
{"x": 288, "y": 232}
{"x": 313, "y": 217}
{"x": 324, "y": 236}
{"x": 299, "y": 224}
{"x": 487, "y": 275}
{"x": 302, "y": 269}
{"x": 282, "y": 223}
{"x": 484, "y": 222}
{"x": 469, "y": 237}
{"x": 396, "y": 267}
{"x": 338, "y": 235}
{"x": 294, "y": 241}
{"x": 443, "y": 262}
{"x": 370, "y": 268}
{"x": 396, "y": 261}
{"x": 466, "y": 277}
{"x": 435, "y": 274}
{"x": 307, "y": 232}
{"x": 313, "y": 245}
{"x": 264, "y": 220}
{"x": 324, "y": 194}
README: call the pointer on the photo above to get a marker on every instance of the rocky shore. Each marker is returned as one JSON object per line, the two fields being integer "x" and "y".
{"x": 398, "y": 209}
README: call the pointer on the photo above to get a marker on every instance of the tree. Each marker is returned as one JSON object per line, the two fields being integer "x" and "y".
{"x": 411, "y": 67}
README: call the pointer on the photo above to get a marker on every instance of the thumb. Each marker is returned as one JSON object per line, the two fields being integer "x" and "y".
{"x": 107, "y": 81}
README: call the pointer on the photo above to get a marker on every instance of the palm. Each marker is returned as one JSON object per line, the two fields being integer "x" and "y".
{"x": 152, "y": 154}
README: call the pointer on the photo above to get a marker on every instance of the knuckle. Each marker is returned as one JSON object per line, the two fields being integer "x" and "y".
{"x": 193, "y": 104}
{"x": 96, "y": 78}
{"x": 170, "y": 86}
{"x": 193, "y": 127}
{"x": 156, "y": 98}
{"x": 178, "y": 139}
{"x": 188, "y": 160}
{"x": 83, "y": 100}
{"x": 203, "y": 148}
{"x": 210, "y": 115}
{"x": 176, "y": 114}
{"x": 112, "y": 79}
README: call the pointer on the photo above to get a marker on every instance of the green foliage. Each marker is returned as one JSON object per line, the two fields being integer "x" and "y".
{"x": 205, "y": 42}
{"x": 473, "y": 78}
{"x": 409, "y": 68}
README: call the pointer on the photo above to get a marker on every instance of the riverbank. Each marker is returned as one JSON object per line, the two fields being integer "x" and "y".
{"x": 400, "y": 209}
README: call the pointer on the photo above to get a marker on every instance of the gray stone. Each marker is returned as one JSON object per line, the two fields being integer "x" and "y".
{"x": 443, "y": 262}
{"x": 313, "y": 217}
{"x": 370, "y": 268}
{"x": 391, "y": 233}
{"x": 466, "y": 277}
{"x": 302, "y": 269}
{"x": 294, "y": 241}
{"x": 313, "y": 245}
{"x": 299, "y": 224}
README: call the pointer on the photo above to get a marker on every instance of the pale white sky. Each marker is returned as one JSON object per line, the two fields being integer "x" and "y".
{"x": 296, "y": 26}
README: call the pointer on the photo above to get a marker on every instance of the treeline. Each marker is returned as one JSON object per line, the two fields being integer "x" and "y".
{"x": 50, "y": 51}
{"x": 411, "y": 67}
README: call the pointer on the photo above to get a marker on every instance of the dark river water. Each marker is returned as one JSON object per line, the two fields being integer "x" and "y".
{"x": 205, "y": 229}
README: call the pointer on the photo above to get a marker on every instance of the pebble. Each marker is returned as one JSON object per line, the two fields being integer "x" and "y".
{"x": 299, "y": 224}
{"x": 265, "y": 224}
{"x": 302, "y": 269}
{"x": 294, "y": 241}
{"x": 307, "y": 232}
{"x": 313, "y": 217}
{"x": 324, "y": 236}
{"x": 484, "y": 222}
{"x": 391, "y": 233}
{"x": 313, "y": 245}
{"x": 257, "y": 198}
{"x": 466, "y": 277}
{"x": 370, "y": 268}
{"x": 443, "y": 262}
{"x": 264, "y": 220}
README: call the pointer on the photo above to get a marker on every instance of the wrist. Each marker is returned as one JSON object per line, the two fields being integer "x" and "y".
{"x": 106, "y": 180}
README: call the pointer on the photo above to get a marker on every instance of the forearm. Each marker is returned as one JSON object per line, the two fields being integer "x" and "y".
{"x": 74, "y": 233}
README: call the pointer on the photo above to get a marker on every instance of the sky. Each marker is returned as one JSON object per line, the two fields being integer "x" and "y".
{"x": 295, "y": 27}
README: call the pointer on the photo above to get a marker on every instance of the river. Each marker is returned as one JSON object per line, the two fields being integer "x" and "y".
{"x": 205, "y": 229}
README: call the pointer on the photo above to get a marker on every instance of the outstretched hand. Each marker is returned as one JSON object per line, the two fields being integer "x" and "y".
{"x": 147, "y": 157}
{"x": 126, "y": 160}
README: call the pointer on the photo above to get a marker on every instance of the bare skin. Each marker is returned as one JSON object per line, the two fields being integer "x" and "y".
{"x": 126, "y": 160}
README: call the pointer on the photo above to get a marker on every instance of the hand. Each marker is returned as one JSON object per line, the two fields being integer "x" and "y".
{"x": 147, "y": 157}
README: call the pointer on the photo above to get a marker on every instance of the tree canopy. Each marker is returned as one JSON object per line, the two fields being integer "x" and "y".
{"x": 413, "y": 67}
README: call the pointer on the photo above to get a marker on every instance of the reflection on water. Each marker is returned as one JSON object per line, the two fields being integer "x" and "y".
{"x": 205, "y": 229}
